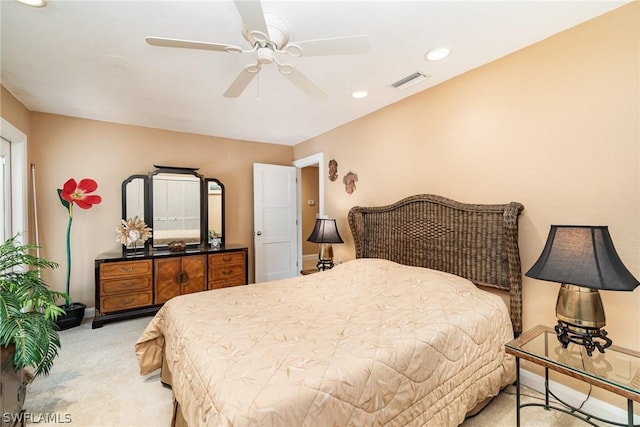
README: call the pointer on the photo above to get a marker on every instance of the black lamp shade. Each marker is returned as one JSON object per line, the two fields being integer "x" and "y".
{"x": 325, "y": 231}
{"x": 582, "y": 256}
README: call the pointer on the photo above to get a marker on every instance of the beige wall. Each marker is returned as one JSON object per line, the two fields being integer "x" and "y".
{"x": 64, "y": 147}
{"x": 554, "y": 126}
{"x": 13, "y": 111}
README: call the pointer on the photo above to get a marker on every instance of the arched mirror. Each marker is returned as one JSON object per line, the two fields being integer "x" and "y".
{"x": 178, "y": 204}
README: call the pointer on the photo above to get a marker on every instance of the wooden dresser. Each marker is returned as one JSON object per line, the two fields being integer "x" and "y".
{"x": 227, "y": 269}
{"x": 125, "y": 285}
{"x": 129, "y": 286}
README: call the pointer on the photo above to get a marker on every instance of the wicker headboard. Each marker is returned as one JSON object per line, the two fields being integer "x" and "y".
{"x": 478, "y": 242}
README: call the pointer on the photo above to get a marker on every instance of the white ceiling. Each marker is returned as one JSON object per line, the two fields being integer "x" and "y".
{"x": 89, "y": 59}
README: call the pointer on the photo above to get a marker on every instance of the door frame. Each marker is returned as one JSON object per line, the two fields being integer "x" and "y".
{"x": 19, "y": 180}
{"x": 314, "y": 159}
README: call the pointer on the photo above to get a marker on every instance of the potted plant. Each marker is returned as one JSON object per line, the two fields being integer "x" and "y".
{"x": 28, "y": 308}
{"x": 74, "y": 193}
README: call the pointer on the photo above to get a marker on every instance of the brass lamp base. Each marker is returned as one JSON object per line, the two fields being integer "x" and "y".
{"x": 325, "y": 257}
{"x": 581, "y": 318}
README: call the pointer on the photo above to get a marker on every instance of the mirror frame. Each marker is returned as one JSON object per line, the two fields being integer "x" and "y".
{"x": 148, "y": 203}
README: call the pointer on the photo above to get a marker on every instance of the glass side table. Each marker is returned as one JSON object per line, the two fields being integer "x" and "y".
{"x": 616, "y": 370}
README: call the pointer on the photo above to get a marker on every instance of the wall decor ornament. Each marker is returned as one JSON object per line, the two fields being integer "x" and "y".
{"x": 75, "y": 193}
{"x": 177, "y": 246}
{"x": 349, "y": 181}
{"x": 333, "y": 170}
{"x": 214, "y": 239}
{"x": 133, "y": 231}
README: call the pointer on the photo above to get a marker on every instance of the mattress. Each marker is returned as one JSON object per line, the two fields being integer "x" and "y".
{"x": 370, "y": 342}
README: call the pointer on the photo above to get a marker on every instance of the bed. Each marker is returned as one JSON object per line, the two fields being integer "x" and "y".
{"x": 402, "y": 335}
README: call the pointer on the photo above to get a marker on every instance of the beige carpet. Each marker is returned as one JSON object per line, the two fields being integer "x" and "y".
{"x": 95, "y": 382}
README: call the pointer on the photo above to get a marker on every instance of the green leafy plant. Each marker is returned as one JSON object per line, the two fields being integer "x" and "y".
{"x": 28, "y": 308}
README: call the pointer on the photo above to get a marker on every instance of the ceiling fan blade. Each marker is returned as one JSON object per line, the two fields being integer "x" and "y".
{"x": 304, "y": 84}
{"x": 333, "y": 46}
{"x": 242, "y": 81}
{"x": 189, "y": 44}
{"x": 252, "y": 15}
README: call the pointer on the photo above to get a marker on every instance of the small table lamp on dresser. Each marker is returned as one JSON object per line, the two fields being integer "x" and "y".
{"x": 583, "y": 259}
{"x": 325, "y": 232}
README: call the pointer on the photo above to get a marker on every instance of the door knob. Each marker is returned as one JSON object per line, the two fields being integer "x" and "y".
{"x": 259, "y": 233}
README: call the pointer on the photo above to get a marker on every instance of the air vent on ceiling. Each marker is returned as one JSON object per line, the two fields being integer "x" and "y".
{"x": 409, "y": 81}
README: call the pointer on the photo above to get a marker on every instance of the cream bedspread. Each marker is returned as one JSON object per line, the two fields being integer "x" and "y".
{"x": 370, "y": 342}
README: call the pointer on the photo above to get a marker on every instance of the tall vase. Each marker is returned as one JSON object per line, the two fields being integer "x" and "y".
{"x": 74, "y": 314}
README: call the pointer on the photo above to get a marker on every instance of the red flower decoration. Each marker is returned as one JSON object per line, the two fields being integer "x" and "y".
{"x": 76, "y": 193}
{"x": 71, "y": 194}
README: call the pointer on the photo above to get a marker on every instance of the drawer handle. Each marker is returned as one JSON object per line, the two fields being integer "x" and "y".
{"x": 227, "y": 258}
{"x": 127, "y": 269}
{"x": 227, "y": 272}
{"x": 127, "y": 285}
{"x": 181, "y": 278}
{"x": 127, "y": 301}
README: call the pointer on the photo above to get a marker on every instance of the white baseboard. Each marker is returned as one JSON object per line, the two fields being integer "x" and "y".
{"x": 575, "y": 398}
{"x": 90, "y": 312}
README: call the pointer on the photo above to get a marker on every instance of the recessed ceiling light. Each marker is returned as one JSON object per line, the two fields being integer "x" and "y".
{"x": 359, "y": 94}
{"x": 33, "y": 3}
{"x": 436, "y": 54}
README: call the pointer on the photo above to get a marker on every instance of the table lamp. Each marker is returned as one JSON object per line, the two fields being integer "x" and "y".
{"x": 583, "y": 259}
{"x": 325, "y": 232}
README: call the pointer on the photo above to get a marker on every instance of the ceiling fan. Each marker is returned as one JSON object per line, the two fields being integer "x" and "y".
{"x": 268, "y": 36}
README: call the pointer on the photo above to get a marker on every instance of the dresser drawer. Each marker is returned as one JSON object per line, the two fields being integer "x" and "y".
{"x": 227, "y": 272}
{"x": 126, "y": 284}
{"x": 125, "y": 301}
{"x": 238, "y": 281}
{"x": 220, "y": 260}
{"x": 126, "y": 268}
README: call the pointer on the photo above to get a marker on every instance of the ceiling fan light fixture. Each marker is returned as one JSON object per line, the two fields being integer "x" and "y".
{"x": 436, "y": 54}
{"x": 268, "y": 36}
{"x": 265, "y": 55}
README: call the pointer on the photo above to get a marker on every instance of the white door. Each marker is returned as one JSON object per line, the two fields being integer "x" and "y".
{"x": 274, "y": 222}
